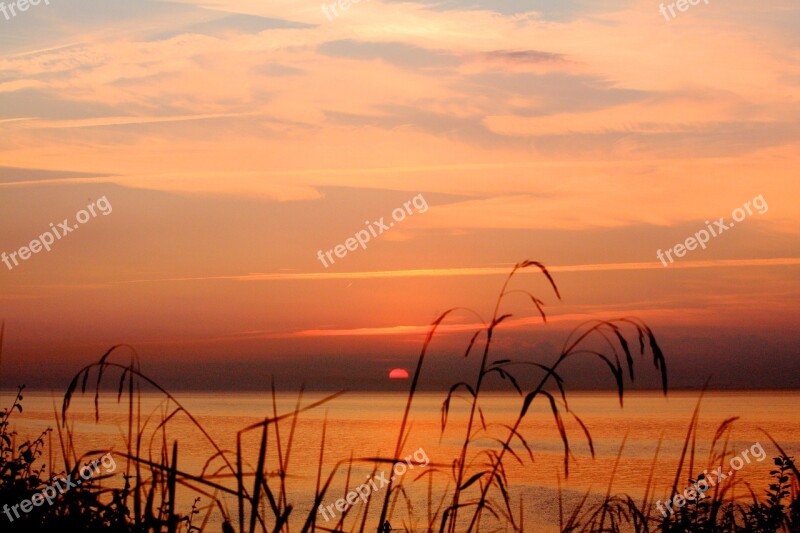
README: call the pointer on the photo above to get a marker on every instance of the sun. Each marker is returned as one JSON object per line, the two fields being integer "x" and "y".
{"x": 398, "y": 373}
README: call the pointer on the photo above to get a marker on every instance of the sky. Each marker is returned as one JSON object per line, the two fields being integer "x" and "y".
{"x": 226, "y": 146}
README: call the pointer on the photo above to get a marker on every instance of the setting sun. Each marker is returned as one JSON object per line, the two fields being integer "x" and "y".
{"x": 398, "y": 373}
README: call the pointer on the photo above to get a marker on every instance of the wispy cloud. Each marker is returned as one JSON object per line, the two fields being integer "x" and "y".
{"x": 127, "y": 121}
{"x": 481, "y": 271}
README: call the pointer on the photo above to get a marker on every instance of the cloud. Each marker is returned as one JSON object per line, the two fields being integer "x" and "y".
{"x": 45, "y": 104}
{"x": 234, "y": 23}
{"x": 685, "y": 112}
{"x": 60, "y": 19}
{"x": 17, "y": 175}
{"x": 523, "y": 57}
{"x": 129, "y": 121}
{"x": 560, "y": 10}
{"x": 278, "y": 70}
{"x": 549, "y": 93}
{"x": 463, "y": 128}
{"x": 399, "y": 54}
{"x": 149, "y": 20}
{"x": 484, "y": 271}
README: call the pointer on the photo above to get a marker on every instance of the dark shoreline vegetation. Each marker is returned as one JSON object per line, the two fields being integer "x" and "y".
{"x": 477, "y": 495}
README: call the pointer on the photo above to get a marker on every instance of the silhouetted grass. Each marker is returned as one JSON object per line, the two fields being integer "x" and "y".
{"x": 476, "y": 489}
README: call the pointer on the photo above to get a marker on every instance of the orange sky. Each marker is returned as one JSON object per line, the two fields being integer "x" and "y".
{"x": 235, "y": 139}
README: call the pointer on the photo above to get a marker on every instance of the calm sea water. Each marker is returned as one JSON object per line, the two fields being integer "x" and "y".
{"x": 366, "y": 425}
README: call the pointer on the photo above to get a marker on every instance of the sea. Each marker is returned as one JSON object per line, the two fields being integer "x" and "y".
{"x": 630, "y": 450}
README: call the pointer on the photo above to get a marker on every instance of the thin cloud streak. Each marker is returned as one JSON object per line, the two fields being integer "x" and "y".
{"x": 483, "y": 271}
{"x": 128, "y": 121}
{"x": 19, "y": 119}
{"x": 420, "y": 330}
{"x": 57, "y": 181}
